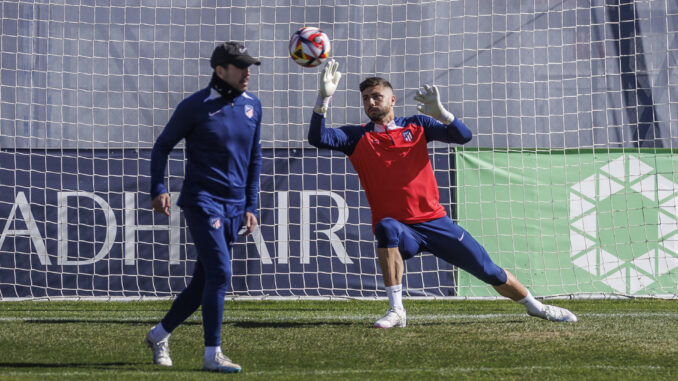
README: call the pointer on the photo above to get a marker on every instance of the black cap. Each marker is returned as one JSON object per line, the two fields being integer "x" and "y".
{"x": 232, "y": 53}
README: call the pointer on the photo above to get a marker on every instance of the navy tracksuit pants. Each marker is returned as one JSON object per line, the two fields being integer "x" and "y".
{"x": 212, "y": 237}
{"x": 443, "y": 238}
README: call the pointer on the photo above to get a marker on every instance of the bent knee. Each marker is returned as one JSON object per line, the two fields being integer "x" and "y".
{"x": 387, "y": 232}
{"x": 218, "y": 277}
{"x": 494, "y": 276}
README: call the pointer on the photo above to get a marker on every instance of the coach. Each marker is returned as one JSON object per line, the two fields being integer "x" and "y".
{"x": 221, "y": 125}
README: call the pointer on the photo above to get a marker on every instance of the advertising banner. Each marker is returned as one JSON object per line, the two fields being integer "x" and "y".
{"x": 78, "y": 223}
{"x": 579, "y": 221}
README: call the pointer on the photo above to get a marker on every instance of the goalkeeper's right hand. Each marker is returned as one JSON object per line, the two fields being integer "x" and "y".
{"x": 327, "y": 84}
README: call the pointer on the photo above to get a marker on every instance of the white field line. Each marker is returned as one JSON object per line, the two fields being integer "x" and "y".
{"x": 313, "y": 317}
{"x": 337, "y": 372}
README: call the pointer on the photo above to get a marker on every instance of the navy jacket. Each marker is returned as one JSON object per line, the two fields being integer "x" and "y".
{"x": 223, "y": 152}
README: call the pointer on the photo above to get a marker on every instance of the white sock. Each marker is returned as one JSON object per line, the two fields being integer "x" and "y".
{"x": 531, "y": 304}
{"x": 212, "y": 351}
{"x": 395, "y": 296}
{"x": 158, "y": 333}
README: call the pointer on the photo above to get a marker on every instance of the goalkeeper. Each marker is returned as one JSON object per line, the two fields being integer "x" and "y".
{"x": 391, "y": 158}
{"x": 221, "y": 125}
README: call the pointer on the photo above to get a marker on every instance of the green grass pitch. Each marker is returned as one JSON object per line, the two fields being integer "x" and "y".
{"x": 333, "y": 340}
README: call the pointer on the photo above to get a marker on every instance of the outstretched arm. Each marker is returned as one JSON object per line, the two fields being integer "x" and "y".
{"x": 342, "y": 139}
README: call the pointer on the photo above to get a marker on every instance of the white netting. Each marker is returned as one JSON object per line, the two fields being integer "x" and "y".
{"x": 555, "y": 92}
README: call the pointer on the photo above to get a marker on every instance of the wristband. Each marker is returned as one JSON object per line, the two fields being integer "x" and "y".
{"x": 322, "y": 104}
{"x": 446, "y": 117}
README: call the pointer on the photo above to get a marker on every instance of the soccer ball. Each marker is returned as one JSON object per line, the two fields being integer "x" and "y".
{"x": 309, "y": 46}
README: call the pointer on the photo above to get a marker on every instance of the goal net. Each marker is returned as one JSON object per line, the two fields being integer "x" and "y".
{"x": 570, "y": 181}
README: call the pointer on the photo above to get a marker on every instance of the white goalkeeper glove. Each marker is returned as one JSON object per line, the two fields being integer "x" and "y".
{"x": 430, "y": 105}
{"x": 329, "y": 79}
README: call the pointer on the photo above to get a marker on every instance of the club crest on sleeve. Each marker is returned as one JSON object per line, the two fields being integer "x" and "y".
{"x": 215, "y": 222}
{"x": 407, "y": 135}
{"x": 249, "y": 111}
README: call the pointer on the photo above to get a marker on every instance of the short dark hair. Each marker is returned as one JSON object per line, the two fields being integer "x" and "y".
{"x": 374, "y": 81}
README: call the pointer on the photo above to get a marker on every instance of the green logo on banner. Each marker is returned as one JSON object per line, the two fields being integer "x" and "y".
{"x": 622, "y": 224}
{"x": 573, "y": 222}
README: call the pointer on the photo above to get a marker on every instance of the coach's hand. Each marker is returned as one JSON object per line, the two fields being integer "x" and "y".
{"x": 161, "y": 203}
{"x": 327, "y": 85}
{"x": 249, "y": 224}
{"x": 429, "y": 99}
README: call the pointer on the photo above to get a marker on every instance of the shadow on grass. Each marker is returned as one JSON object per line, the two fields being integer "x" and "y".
{"x": 281, "y": 324}
{"x": 357, "y": 323}
{"x": 267, "y": 309}
{"x": 238, "y": 324}
{"x": 273, "y": 324}
{"x": 101, "y": 321}
{"x": 102, "y": 365}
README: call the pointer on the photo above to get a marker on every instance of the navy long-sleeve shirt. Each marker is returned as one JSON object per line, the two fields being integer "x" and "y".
{"x": 223, "y": 152}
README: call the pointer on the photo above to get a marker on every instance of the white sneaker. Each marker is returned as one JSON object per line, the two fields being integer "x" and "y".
{"x": 395, "y": 317}
{"x": 557, "y": 314}
{"x": 220, "y": 363}
{"x": 160, "y": 350}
